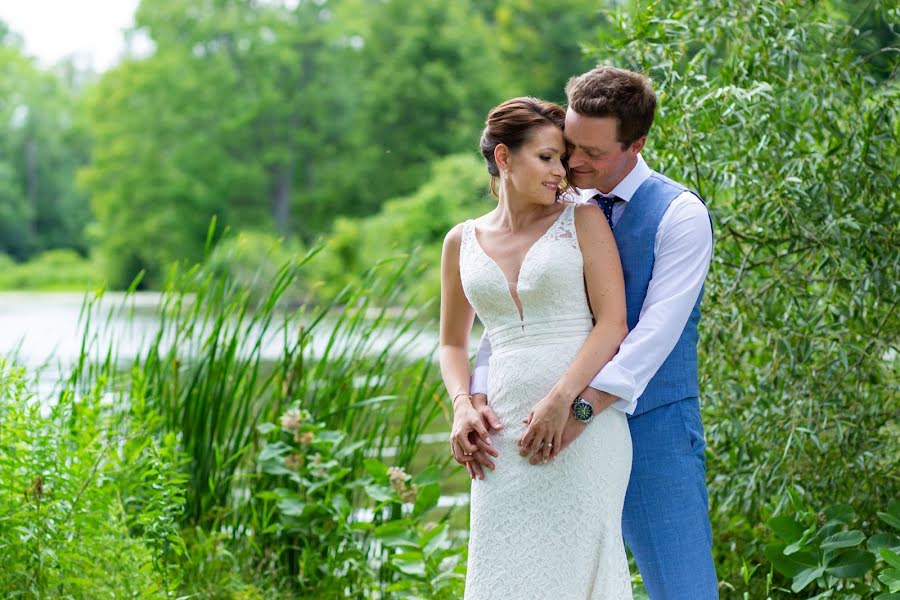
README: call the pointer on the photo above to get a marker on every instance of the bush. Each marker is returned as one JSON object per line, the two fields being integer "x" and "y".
{"x": 251, "y": 260}
{"x": 54, "y": 270}
{"x": 412, "y": 225}
{"x": 823, "y": 550}
{"x": 88, "y": 506}
{"x": 347, "y": 533}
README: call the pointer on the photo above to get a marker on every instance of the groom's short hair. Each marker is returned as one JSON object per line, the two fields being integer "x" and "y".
{"x": 612, "y": 92}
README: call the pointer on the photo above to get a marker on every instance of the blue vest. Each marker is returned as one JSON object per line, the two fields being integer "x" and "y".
{"x": 635, "y": 234}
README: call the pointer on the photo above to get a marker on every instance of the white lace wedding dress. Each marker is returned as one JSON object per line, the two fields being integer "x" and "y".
{"x": 554, "y": 530}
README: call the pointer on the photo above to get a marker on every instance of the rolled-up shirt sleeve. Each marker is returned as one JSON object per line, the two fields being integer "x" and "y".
{"x": 683, "y": 248}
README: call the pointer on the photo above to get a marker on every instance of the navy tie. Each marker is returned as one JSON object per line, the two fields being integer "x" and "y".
{"x": 606, "y": 204}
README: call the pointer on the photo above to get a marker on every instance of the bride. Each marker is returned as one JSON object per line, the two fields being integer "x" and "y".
{"x": 544, "y": 277}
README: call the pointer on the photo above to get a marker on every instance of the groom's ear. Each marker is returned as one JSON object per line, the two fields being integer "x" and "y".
{"x": 637, "y": 145}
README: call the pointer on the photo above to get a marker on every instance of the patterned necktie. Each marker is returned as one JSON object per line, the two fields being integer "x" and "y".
{"x": 606, "y": 204}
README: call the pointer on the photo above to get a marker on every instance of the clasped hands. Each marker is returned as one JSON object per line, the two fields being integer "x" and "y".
{"x": 550, "y": 428}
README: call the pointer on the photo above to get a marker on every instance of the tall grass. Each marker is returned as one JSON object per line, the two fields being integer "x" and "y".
{"x": 223, "y": 358}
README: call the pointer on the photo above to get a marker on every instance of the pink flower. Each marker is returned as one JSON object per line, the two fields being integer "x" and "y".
{"x": 291, "y": 420}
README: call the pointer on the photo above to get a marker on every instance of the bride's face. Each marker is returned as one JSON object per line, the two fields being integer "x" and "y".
{"x": 536, "y": 169}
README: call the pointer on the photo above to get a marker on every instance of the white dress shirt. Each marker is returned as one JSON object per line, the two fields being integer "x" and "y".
{"x": 683, "y": 249}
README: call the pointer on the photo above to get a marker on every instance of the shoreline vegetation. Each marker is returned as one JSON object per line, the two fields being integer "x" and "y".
{"x": 221, "y": 473}
{"x": 212, "y": 463}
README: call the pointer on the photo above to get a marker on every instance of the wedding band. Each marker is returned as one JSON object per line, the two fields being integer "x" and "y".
{"x": 549, "y": 444}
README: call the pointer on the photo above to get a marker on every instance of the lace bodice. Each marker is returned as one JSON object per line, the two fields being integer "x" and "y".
{"x": 550, "y": 287}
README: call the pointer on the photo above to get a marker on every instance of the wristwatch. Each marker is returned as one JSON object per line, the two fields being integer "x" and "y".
{"x": 582, "y": 410}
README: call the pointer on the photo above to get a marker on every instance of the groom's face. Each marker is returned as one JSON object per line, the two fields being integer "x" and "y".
{"x": 596, "y": 156}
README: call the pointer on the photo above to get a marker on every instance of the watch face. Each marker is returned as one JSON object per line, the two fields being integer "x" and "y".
{"x": 583, "y": 410}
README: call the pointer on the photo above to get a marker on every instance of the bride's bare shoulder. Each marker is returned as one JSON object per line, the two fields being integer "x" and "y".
{"x": 453, "y": 239}
{"x": 590, "y": 224}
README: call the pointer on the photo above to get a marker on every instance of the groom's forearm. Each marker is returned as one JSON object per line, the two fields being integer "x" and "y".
{"x": 598, "y": 399}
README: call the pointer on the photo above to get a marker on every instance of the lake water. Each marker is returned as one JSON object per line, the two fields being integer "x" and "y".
{"x": 47, "y": 328}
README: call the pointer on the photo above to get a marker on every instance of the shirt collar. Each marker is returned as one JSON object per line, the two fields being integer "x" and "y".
{"x": 629, "y": 184}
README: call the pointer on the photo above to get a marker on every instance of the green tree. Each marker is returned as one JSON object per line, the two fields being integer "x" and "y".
{"x": 432, "y": 73}
{"x": 228, "y": 117}
{"x": 770, "y": 113}
{"x": 41, "y": 149}
{"x": 455, "y": 190}
{"x": 540, "y": 42}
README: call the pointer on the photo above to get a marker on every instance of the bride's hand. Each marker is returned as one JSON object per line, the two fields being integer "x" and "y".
{"x": 467, "y": 420}
{"x": 546, "y": 423}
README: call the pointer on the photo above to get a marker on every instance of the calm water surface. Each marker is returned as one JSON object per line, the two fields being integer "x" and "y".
{"x": 39, "y": 328}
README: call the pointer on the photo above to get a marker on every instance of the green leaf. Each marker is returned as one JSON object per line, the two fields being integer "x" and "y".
{"x": 429, "y": 475}
{"x": 265, "y": 428}
{"x": 890, "y": 578}
{"x": 331, "y": 436}
{"x": 395, "y": 534}
{"x": 376, "y": 468}
{"x": 840, "y": 512}
{"x": 894, "y": 508}
{"x": 379, "y": 493}
{"x": 435, "y": 539}
{"x": 410, "y": 563}
{"x": 844, "y": 539}
{"x": 805, "y": 577}
{"x": 291, "y": 506}
{"x": 786, "y": 528}
{"x": 855, "y": 563}
{"x": 273, "y": 451}
{"x": 890, "y": 519}
{"x": 789, "y": 565}
{"x": 427, "y": 498}
{"x": 883, "y": 540}
{"x": 887, "y": 596}
{"x": 890, "y": 557}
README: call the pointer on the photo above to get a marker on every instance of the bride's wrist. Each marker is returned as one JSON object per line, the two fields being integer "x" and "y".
{"x": 560, "y": 395}
{"x": 462, "y": 401}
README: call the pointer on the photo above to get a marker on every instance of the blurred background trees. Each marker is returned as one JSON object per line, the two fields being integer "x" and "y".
{"x": 278, "y": 117}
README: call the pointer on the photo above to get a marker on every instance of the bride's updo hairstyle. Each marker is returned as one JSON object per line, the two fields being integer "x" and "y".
{"x": 511, "y": 123}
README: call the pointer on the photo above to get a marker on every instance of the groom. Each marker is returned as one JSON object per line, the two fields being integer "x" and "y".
{"x": 664, "y": 237}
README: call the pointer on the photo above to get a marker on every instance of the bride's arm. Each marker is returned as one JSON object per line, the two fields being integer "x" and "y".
{"x": 606, "y": 293}
{"x": 457, "y": 316}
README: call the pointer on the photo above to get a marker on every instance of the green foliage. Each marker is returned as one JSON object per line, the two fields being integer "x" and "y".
{"x": 540, "y": 43}
{"x": 769, "y": 113}
{"x": 41, "y": 147}
{"x": 348, "y": 532}
{"x": 224, "y": 358}
{"x": 241, "y": 98}
{"x": 88, "y": 506}
{"x": 251, "y": 261}
{"x": 822, "y": 549}
{"x": 416, "y": 224}
{"x": 433, "y": 60}
{"x": 53, "y": 270}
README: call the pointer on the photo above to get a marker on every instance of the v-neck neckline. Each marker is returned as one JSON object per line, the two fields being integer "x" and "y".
{"x": 514, "y": 292}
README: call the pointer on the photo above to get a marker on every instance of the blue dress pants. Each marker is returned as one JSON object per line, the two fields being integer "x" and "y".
{"x": 666, "y": 520}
